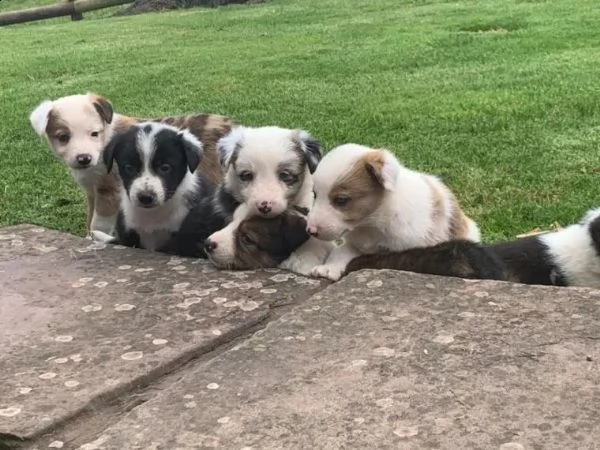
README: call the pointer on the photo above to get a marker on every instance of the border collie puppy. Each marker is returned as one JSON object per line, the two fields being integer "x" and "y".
{"x": 267, "y": 170}
{"x": 78, "y": 128}
{"x": 376, "y": 204}
{"x": 166, "y": 204}
{"x": 568, "y": 257}
{"x": 260, "y": 242}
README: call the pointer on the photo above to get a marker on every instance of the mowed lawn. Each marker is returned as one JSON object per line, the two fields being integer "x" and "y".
{"x": 500, "y": 99}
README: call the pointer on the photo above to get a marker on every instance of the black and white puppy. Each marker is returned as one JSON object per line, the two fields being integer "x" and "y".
{"x": 166, "y": 204}
{"x": 267, "y": 170}
{"x": 568, "y": 257}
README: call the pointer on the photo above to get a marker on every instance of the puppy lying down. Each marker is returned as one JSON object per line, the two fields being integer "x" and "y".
{"x": 260, "y": 242}
{"x": 568, "y": 257}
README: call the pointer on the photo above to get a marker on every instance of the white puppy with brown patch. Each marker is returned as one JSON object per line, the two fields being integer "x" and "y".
{"x": 79, "y": 127}
{"x": 376, "y": 204}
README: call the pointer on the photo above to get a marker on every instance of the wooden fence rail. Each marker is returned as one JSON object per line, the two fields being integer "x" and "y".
{"x": 71, "y": 8}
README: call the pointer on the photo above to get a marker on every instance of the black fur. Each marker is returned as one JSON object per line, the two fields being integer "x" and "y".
{"x": 464, "y": 259}
{"x": 525, "y": 260}
{"x": 529, "y": 261}
{"x": 225, "y": 202}
{"x": 267, "y": 242}
{"x": 594, "y": 230}
{"x": 181, "y": 156}
{"x": 313, "y": 152}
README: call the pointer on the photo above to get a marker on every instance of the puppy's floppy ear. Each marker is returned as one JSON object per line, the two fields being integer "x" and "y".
{"x": 103, "y": 106}
{"x": 383, "y": 167}
{"x": 192, "y": 148}
{"x": 110, "y": 151}
{"x": 311, "y": 148}
{"x": 229, "y": 146}
{"x": 39, "y": 116}
{"x": 293, "y": 231}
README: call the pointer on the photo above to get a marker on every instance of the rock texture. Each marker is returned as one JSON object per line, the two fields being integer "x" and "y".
{"x": 381, "y": 359}
{"x": 82, "y": 322}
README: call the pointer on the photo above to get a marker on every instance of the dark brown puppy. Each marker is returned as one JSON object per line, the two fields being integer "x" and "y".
{"x": 463, "y": 259}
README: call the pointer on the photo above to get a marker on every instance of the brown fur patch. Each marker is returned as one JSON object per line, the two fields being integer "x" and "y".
{"x": 374, "y": 162}
{"x": 262, "y": 243}
{"x": 459, "y": 222}
{"x": 56, "y": 126}
{"x": 363, "y": 185}
{"x": 107, "y": 195}
{"x": 103, "y": 106}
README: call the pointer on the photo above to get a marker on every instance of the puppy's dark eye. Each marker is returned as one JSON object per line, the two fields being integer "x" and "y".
{"x": 129, "y": 169}
{"x": 341, "y": 200}
{"x": 246, "y": 175}
{"x": 247, "y": 240}
{"x": 95, "y": 133}
{"x": 164, "y": 168}
{"x": 315, "y": 194}
{"x": 63, "y": 138}
{"x": 287, "y": 177}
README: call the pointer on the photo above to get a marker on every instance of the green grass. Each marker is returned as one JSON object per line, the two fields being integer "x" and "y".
{"x": 501, "y": 99}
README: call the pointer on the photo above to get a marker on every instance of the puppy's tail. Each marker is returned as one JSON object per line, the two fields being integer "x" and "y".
{"x": 458, "y": 258}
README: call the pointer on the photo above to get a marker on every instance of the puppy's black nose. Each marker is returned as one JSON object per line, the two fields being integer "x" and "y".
{"x": 265, "y": 207}
{"x": 146, "y": 199}
{"x": 209, "y": 246}
{"x": 84, "y": 159}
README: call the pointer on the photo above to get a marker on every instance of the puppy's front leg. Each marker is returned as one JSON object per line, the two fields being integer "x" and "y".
{"x": 90, "y": 215}
{"x": 336, "y": 262}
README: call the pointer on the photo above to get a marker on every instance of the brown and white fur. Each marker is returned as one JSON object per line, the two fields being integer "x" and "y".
{"x": 78, "y": 128}
{"x": 260, "y": 242}
{"x": 376, "y": 204}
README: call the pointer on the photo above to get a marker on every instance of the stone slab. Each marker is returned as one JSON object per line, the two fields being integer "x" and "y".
{"x": 393, "y": 360}
{"x": 81, "y": 322}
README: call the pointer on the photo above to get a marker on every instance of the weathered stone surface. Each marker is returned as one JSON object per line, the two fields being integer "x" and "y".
{"x": 394, "y": 360}
{"x": 81, "y": 322}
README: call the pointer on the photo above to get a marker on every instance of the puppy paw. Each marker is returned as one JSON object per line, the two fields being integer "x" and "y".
{"x": 328, "y": 271}
{"x": 100, "y": 236}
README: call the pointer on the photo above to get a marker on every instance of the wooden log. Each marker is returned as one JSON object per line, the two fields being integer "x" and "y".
{"x": 58, "y": 10}
{"x": 75, "y": 15}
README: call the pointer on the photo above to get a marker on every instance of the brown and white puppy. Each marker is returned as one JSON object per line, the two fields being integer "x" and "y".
{"x": 376, "y": 204}
{"x": 260, "y": 242}
{"x": 78, "y": 128}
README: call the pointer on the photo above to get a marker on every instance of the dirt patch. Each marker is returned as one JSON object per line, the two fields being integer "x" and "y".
{"x": 142, "y": 6}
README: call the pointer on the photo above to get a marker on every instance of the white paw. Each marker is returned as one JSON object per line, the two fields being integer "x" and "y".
{"x": 101, "y": 236}
{"x": 329, "y": 271}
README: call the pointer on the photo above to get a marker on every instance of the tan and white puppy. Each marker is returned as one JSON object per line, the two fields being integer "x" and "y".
{"x": 78, "y": 128}
{"x": 376, "y": 204}
{"x": 267, "y": 171}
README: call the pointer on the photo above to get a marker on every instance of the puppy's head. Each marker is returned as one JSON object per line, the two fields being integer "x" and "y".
{"x": 76, "y": 127}
{"x": 257, "y": 242}
{"x": 266, "y": 167}
{"x": 153, "y": 159}
{"x": 350, "y": 184}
